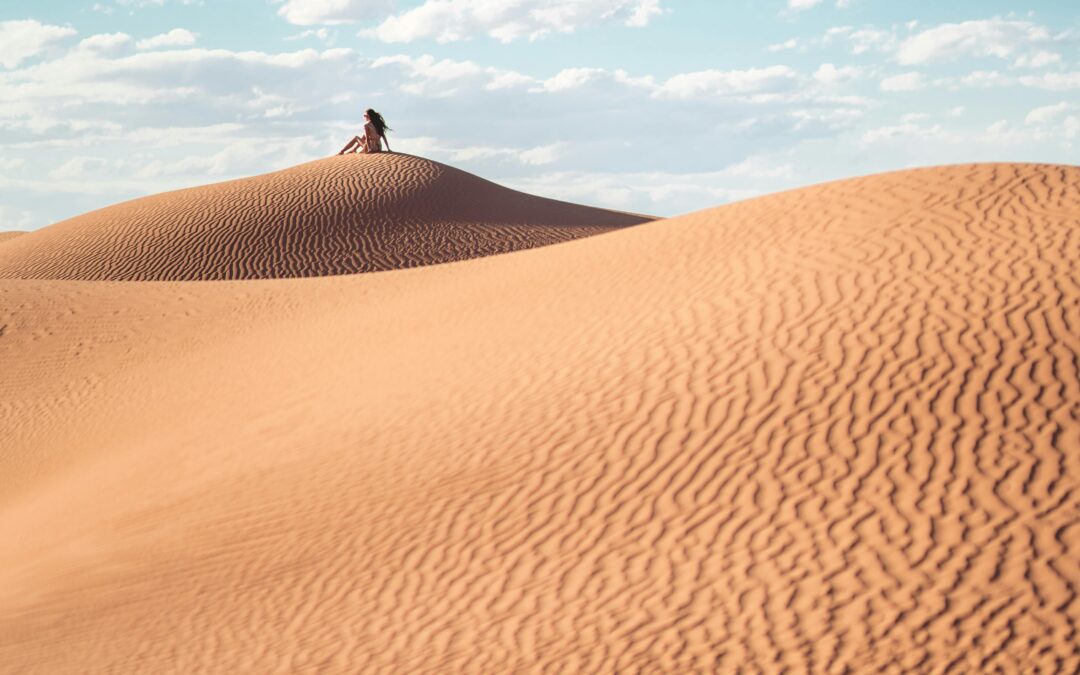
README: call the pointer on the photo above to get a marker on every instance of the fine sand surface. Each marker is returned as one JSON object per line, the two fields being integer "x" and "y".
{"x": 833, "y": 430}
{"x": 8, "y": 235}
{"x": 354, "y": 213}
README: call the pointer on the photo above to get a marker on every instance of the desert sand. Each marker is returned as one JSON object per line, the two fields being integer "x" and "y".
{"x": 835, "y": 429}
{"x": 356, "y": 213}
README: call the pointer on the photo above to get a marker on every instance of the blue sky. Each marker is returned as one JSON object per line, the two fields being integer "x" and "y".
{"x": 655, "y": 106}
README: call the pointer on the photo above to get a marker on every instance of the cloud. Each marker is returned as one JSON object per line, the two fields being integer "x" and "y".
{"x": 828, "y": 74}
{"x": 540, "y": 155}
{"x": 784, "y": 46}
{"x": 105, "y": 42}
{"x": 177, "y": 37}
{"x": 454, "y": 20}
{"x": 15, "y": 219}
{"x": 20, "y": 40}
{"x": 1052, "y": 81}
{"x": 727, "y": 82}
{"x": 996, "y": 37}
{"x": 1037, "y": 59}
{"x": 427, "y": 76}
{"x": 903, "y": 82}
{"x": 799, "y": 5}
{"x": 324, "y": 34}
{"x": 662, "y": 192}
{"x": 905, "y": 130}
{"x": 309, "y": 12}
{"x": 1046, "y": 114}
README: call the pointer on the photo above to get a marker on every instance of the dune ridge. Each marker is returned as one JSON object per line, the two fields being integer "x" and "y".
{"x": 833, "y": 429}
{"x": 340, "y": 215}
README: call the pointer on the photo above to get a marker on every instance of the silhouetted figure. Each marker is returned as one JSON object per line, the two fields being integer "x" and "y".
{"x": 374, "y": 135}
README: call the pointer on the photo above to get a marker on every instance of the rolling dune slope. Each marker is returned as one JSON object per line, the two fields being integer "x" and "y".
{"x": 834, "y": 429}
{"x": 354, "y": 213}
{"x": 9, "y": 235}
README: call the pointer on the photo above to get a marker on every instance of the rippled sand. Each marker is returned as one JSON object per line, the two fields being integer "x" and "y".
{"x": 831, "y": 429}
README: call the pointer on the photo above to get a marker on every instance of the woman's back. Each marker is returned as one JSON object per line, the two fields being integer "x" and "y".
{"x": 371, "y": 134}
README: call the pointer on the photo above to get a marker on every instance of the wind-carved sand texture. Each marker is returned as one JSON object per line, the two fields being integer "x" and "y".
{"x": 347, "y": 214}
{"x": 834, "y": 429}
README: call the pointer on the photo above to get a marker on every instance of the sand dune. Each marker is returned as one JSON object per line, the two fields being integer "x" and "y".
{"x": 354, "y": 213}
{"x": 9, "y": 235}
{"x": 834, "y": 429}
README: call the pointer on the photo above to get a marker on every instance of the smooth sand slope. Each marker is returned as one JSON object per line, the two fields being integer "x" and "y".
{"x": 354, "y": 213}
{"x": 9, "y": 235}
{"x": 830, "y": 430}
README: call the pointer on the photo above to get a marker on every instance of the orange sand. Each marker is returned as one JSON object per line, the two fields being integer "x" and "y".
{"x": 834, "y": 428}
{"x": 355, "y": 213}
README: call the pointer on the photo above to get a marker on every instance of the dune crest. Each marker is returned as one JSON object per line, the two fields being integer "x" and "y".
{"x": 340, "y": 215}
{"x": 835, "y": 429}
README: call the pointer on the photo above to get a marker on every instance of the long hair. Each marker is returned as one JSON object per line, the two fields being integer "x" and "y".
{"x": 378, "y": 121}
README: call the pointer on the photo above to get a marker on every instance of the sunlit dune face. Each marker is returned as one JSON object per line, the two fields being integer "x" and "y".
{"x": 341, "y": 215}
{"x": 827, "y": 430}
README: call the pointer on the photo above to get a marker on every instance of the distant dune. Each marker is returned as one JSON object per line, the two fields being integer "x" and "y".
{"x": 833, "y": 429}
{"x": 8, "y": 235}
{"x": 341, "y": 215}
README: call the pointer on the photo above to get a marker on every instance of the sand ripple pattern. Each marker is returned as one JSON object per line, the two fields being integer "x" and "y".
{"x": 354, "y": 213}
{"x": 831, "y": 430}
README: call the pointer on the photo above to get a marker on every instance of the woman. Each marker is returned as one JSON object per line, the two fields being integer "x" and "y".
{"x": 374, "y": 135}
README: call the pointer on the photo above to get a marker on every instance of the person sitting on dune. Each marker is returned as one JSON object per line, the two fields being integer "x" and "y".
{"x": 374, "y": 135}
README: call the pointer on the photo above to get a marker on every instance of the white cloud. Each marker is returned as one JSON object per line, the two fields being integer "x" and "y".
{"x": 1053, "y": 81}
{"x": 454, "y": 20}
{"x": 76, "y": 167}
{"x": 829, "y": 74}
{"x": 177, "y": 37}
{"x": 799, "y": 5}
{"x": 985, "y": 78}
{"x": 661, "y": 192}
{"x": 1046, "y": 113}
{"x": 572, "y": 78}
{"x": 15, "y": 219}
{"x": 323, "y": 34}
{"x": 784, "y": 46}
{"x": 427, "y": 76}
{"x": 903, "y": 82}
{"x": 991, "y": 37}
{"x": 642, "y": 12}
{"x": 308, "y": 12}
{"x": 540, "y": 155}
{"x": 1071, "y": 127}
{"x": 105, "y": 42}
{"x": 1037, "y": 59}
{"x": 905, "y": 130}
{"x": 20, "y": 40}
{"x": 448, "y": 152}
{"x": 869, "y": 39}
{"x": 726, "y": 82}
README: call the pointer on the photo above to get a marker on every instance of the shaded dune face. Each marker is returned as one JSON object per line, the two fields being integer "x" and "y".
{"x": 830, "y": 430}
{"x": 341, "y": 215}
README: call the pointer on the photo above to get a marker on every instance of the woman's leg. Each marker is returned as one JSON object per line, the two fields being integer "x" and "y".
{"x": 350, "y": 145}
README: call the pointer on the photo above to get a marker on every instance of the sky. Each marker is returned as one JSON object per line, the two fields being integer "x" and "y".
{"x": 652, "y": 106}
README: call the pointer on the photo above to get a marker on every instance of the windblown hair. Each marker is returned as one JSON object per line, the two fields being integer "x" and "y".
{"x": 378, "y": 121}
